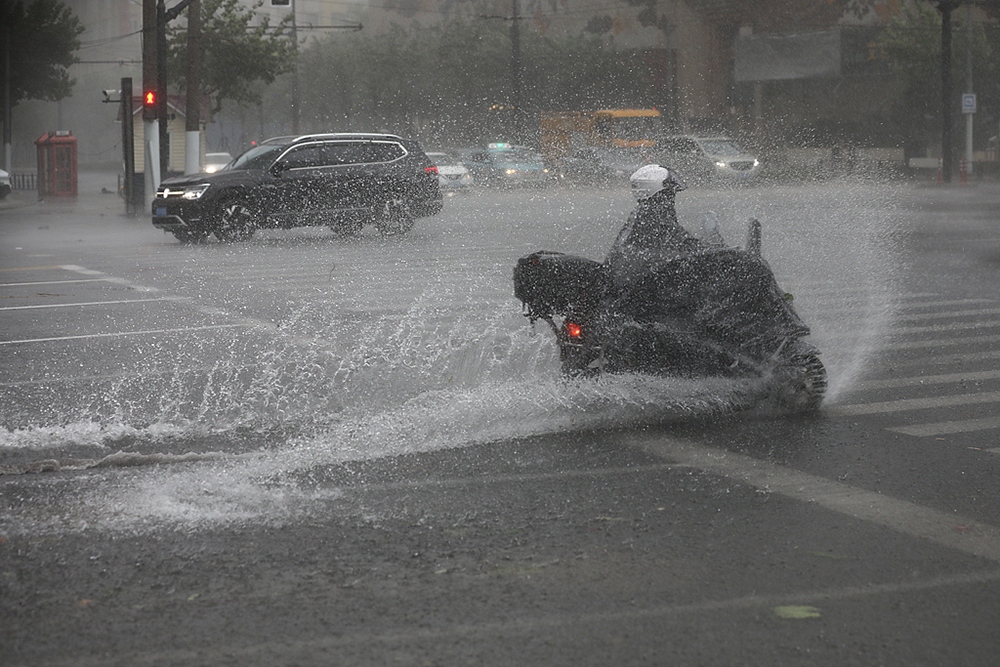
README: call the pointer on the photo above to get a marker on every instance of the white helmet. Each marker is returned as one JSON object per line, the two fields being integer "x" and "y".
{"x": 651, "y": 178}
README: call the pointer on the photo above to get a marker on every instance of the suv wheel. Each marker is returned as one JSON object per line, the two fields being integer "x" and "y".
{"x": 236, "y": 221}
{"x": 395, "y": 217}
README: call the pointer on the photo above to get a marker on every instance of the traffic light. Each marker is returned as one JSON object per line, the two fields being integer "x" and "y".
{"x": 149, "y": 99}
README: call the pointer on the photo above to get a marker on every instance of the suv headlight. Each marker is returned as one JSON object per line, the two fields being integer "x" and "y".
{"x": 195, "y": 191}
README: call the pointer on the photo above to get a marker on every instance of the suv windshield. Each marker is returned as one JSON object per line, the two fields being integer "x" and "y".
{"x": 259, "y": 157}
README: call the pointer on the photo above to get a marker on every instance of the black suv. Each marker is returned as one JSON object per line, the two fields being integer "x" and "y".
{"x": 342, "y": 180}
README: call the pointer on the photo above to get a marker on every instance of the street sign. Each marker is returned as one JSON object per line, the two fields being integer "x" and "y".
{"x": 969, "y": 103}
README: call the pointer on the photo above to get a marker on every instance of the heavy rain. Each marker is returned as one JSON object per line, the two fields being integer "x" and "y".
{"x": 325, "y": 439}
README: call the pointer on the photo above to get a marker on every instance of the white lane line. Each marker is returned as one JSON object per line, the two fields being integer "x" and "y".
{"x": 55, "y": 282}
{"x": 945, "y": 359}
{"x": 905, "y": 404}
{"x": 923, "y": 380}
{"x": 954, "y": 326}
{"x": 122, "y": 334}
{"x": 949, "y": 530}
{"x": 949, "y": 427}
{"x": 83, "y": 304}
{"x": 931, "y": 343}
{"x": 944, "y": 314}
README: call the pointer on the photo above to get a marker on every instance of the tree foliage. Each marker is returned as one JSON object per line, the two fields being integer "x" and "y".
{"x": 239, "y": 50}
{"x": 451, "y": 78}
{"x": 912, "y": 42}
{"x": 44, "y": 38}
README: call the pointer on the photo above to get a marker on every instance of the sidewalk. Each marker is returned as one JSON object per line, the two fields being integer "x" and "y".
{"x": 97, "y": 196}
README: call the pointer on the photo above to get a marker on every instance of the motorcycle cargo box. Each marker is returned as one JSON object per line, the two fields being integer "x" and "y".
{"x": 551, "y": 283}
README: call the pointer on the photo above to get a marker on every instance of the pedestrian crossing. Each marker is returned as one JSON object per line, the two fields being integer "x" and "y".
{"x": 935, "y": 372}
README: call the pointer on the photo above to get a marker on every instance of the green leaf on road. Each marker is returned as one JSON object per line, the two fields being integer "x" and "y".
{"x": 797, "y": 611}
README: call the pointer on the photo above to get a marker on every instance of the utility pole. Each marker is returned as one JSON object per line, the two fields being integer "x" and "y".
{"x": 969, "y": 116}
{"x": 128, "y": 144}
{"x": 192, "y": 127}
{"x": 296, "y": 97}
{"x": 161, "y": 86}
{"x": 516, "y": 76}
{"x": 947, "y": 101}
{"x": 150, "y": 133}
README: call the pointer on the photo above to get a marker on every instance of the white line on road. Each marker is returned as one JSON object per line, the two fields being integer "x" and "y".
{"x": 904, "y": 404}
{"x": 924, "y": 380}
{"x": 948, "y": 427}
{"x": 122, "y": 333}
{"x": 82, "y": 304}
{"x": 950, "y": 530}
{"x": 55, "y": 282}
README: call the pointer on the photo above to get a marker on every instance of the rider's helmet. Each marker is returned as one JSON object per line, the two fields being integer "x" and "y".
{"x": 652, "y": 178}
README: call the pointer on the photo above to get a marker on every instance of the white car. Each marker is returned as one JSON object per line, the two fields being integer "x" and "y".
{"x": 707, "y": 159}
{"x": 452, "y": 175}
{"x": 216, "y": 161}
{"x": 4, "y": 184}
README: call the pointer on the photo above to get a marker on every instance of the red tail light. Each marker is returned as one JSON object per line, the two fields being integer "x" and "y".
{"x": 431, "y": 170}
{"x": 573, "y": 330}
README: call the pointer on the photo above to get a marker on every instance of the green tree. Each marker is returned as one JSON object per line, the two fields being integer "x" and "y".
{"x": 240, "y": 50}
{"x": 912, "y": 42}
{"x": 447, "y": 78}
{"x": 44, "y": 37}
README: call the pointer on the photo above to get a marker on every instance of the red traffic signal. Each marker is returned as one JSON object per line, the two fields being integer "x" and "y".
{"x": 149, "y": 99}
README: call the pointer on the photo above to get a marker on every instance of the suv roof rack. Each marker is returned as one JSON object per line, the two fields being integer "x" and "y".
{"x": 346, "y": 135}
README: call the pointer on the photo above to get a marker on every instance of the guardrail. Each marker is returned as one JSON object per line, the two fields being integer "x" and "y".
{"x": 28, "y": 181}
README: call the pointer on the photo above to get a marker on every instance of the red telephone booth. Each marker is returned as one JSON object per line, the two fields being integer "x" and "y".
{"x": 57, "y": 164}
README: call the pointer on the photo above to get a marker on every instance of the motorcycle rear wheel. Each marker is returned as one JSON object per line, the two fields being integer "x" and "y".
{"x": 800, "y": 381}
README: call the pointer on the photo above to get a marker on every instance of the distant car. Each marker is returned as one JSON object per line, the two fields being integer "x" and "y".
{"x": 507, "y": 165}
{"x": 701, "y": 160}
{"x": 343, "y": 181}
{"x": 603, "y": 166}
{"x": 453, "y": 176}
{"x": 216, "y": 161}
{"x": 5, "y": 187}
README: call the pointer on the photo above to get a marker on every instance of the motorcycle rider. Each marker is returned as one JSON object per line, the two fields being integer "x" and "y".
{"x": 650, "y": 240}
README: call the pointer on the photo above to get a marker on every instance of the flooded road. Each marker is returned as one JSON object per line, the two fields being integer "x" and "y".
{"x": 311, "y": 446}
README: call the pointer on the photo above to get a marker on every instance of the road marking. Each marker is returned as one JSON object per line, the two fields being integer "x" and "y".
{"x": 949, "y": 530}
{"x": 81, "y": 304}
{"x": 954, "y": 326}
{"x": 923, "y": 380}
{"x": 949, "y": 427}
{"x": 508, "y": 629}
{"x": 122, "y": 334}
{"x": 947, "y": 359}
{"x": 945, "y": 314}
{"x": 31, "y": 268}
{"x": 55, "y": 282}
{"x": 932, "y": 343}
{"x": 905, "y": 404}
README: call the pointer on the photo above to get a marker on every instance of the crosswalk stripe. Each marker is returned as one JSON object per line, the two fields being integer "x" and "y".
{"x": 922, "y": 380}
{"x": 905, "y": 404}
{"x": 948, "y": 427}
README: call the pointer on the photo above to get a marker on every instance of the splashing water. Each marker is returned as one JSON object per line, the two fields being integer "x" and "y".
{"x": 459, "y": 367}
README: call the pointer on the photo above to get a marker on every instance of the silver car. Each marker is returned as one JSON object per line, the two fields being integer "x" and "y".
{"x": 452, "y": 175}
{"x": 707, "y": 159}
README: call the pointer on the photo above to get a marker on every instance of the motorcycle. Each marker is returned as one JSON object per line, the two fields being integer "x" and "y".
{"x": 717, "y": 312}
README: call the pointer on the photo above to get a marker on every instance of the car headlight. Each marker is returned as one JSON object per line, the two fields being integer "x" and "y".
{"x": 720, "y": 164}
{"x": 510, "y": 172}
{"x": 195, "y": 191}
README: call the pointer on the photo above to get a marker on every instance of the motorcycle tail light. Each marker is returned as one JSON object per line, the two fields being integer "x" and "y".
{"x": 573, "y": 330}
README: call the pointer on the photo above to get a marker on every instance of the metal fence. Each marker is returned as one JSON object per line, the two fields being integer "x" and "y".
{"x": 27, "y": 181}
